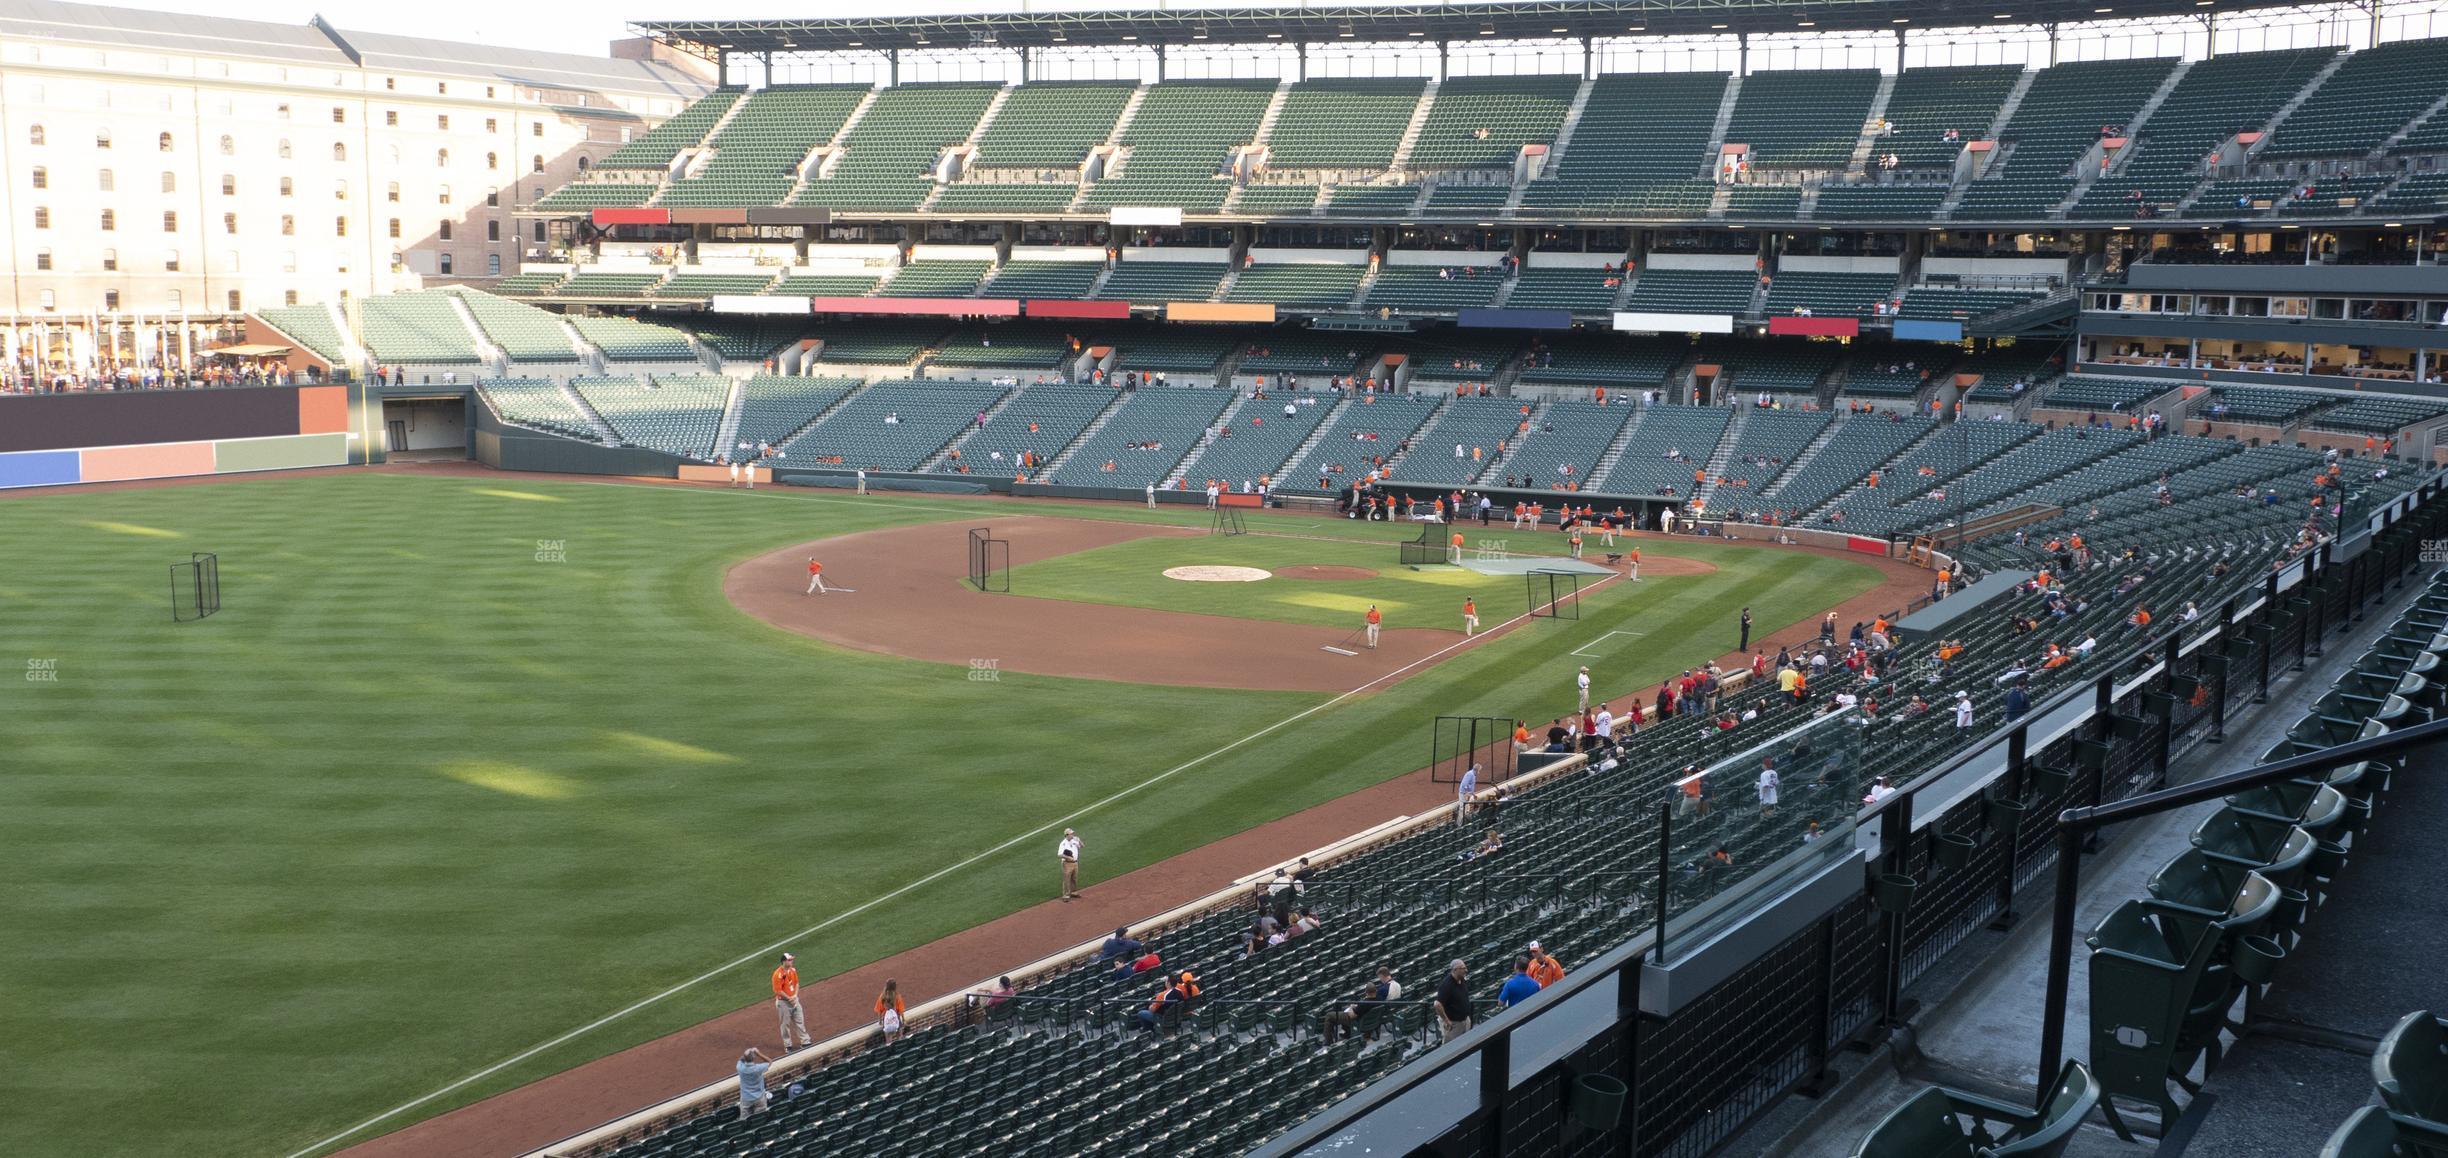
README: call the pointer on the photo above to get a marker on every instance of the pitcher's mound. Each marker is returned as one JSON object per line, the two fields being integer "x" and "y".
{"x": 1326, "y": 572}
{"x": 1212, "y": 574}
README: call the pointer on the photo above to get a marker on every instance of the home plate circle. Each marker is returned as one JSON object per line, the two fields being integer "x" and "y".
{"x": 1212, "y": 574}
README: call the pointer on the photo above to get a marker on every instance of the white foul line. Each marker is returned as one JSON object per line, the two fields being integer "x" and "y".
{"x": 1603, "y": 639}
{"x": 896, "y": 894}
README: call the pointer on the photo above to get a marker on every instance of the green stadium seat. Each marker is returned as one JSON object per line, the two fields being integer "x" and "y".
{"x": 1928, "y": 103}
{"x": 654, "y": 149}
{"x": 2374, "y": 1132}
{"x": 629, "y": 340}
{"x": 1483, "y": 121}
{"x": 521, "y": 331}
{"x": 419, "y": 328}
{"x": 1299, "y": 285}
{"x": 2410, "y": 1069}
{"x": 1151, "y": 282}
{"x": 311, "y": 327}
{"x": 1179, "y": 143}
{"x": 2366, "y": 100}
{"x": 1639, "y": 149}
{"x": 757, "y": 155}
{"x": 885, "y": 160}
{"x": 1351, "y": 123}
{"x": 1804, "y": 119}
{"x": 1943, "y": 1123}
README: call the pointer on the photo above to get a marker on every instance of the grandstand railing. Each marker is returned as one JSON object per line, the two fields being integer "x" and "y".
{"x": 1814, "y": 975}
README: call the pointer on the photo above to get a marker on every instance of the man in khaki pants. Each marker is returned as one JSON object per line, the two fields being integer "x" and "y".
{"x": 1069, "y": 851}
{"x": 786, "y": 1003}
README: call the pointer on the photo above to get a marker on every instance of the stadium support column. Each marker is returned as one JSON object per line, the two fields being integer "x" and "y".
{"x": 2052, "y": 37}
{"x": 1444, "y": 59}
{"x": 1587, "y": 67}
{"x": 1301, "y": 70}
{"x": 1742, "y": 54}
{"x": 1160, "y": 64}
{"x": 1900, "y": 33}
{"x": 1026, "y": 55}
{"x": 892, "y": 68}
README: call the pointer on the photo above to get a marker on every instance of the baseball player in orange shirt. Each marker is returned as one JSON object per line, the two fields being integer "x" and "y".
{"x": 1373, "y": 620}
{"x": 816, "y": 578}
{"x": 1455, "y": 553}
{"x": 786, "y": 1003}
{"x": 1470, "y": 616}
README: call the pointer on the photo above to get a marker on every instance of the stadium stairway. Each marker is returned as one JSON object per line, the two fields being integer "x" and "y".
{"x": 1088, "y": 433}
{"x": 1859, "y": 162}
{"x": 1309, "y": 444}
{"x": 993, "y": 412}
{"x": 1719, "y": 457}
{"x": 603, "y": 430}
{"x": 1615, "y": 448}
{"x": 492, "y": 357}
{"x": 2090, "y": 174}
{"x": 1411, "y": 132}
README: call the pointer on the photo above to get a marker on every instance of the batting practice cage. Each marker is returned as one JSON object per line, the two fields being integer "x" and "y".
{"x": 1227, "y": 521}
{"x": 989, "y": 561}
{"x": 1426, "y": 550}
{"x": 195, "y": 587}
{"x": 1460, "y": 741}
{"x": 1554, "y": 594}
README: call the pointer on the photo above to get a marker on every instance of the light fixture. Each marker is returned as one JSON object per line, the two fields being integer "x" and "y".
{"x": 2003, "y": 16}
{"x": 1201, "y": 35}
{"x": 858, "y": 44}
{"x": 2102, "y": 11}
{"x": 1125, "y": 36}
{"x": 1559, "y": 30}
{"x": 1901, "y": 20}
{"x": 1274, "y": 36}
{"x": 1638, "y": 28}
{"x": 1419, "y": 34}
{"x": 2393, "y": 225}
{"x": 1345, "y": 34}
{"x": 1717, "y": 26}
{"x": 1806, "y": 24}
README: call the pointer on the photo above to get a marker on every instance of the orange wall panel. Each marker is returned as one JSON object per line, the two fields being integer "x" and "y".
{"x": 322, "y": 410}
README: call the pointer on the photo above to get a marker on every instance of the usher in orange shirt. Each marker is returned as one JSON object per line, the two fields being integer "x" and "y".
{"x": 786, "y": 983}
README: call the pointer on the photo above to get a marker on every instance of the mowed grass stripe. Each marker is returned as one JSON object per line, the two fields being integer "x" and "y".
{"x": 415, "y": 800}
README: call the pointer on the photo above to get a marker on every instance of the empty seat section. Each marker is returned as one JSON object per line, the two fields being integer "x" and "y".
{"x": 1436, "y": 360}
{"x": 526, "y": 285}
{"x": 654, "y": 149}
{"x": 1639, "y": 149}
{"x": 2091, "y": 392}
{"x": 1144, "y": 439}
{"x": 885, "y": 161}
{"x": 1859, "y": 444}
{"x": 2365, "y": 101}
{"x": 1769, "y": 442}
{"x": 1430, "y": 288}
{"x": 1052, "y": 125}
{"x": 1669, "y": 444}
{"x": 2336, "y": 196}
{"x": 2242, "y": 197}
{"x": 2056, "y": 454}
{"x": 521, "y": 331}
{"x": 1263, "y": 436}
{"x": 706, "y": 285}
{"x": 1180, "y": 142}
{"x": 1467, "y": 200}
{"x": 1828, "y": 294}
{"x": 1612, "y": 362}
{"x": 579, "y": 196}
{"x": 414, "y": 328}
{"x": 1151, "y": 282}
{"x": 1763, "y": 203}
{"x": 878, "y": 341}
{"x": 936, "y": 278}
{"x": 2060, "y": 118}
{"x": 628, "y": 340}
{"x": 744, "y": 339}
{"x": 1310, "y": 355}
{"x": 1039, "y": 420}
{"x": 758, "y": 154}
{"x": 1564, "y": 443}
{"x": 1927, "y": 103}
{"x": 1483, "y": 121}
{"x": 1367, "y": 428}
{"x": 1018, "y": 346}
{"x": 1779, "y": 366}
{"x": 1307, "y": 285}
{"x": 825, "y": 285}
{"x": 1392, "y": 202}
{"x": 1274, "y": 200}
{"x": 608, "y": 284}
{"x": 773, "y": 407}
{"x": 311, "y": 327}
{"x": 1172, "y": 348}
{"x": 1937, "y": 463}
{"x": 1692, "y": 291}
{"x": 1808, "y": 119}
{"x": 971, "y": 196}
{"x": 2418, "y": 194}
{"x": 1487, "y": 426}
{"x": 1940, "y": 303}
{"x": 2384, "y": 416}
{"x": 673, "y": 413}
{"x": 892, "y": 425}
{"x": 2261, "y": 404}
{"x": 1343, "y": 122}
{"x": 536, "y": 403}
{"x": 1043, "y": 279}
{"x": 1581, "y": 289}
{"x": 1878, "y": 202}
{"x": 2215, "y": 100}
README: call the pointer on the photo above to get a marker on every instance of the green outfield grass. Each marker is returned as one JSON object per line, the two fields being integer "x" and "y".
{"x": 468, "y": 763}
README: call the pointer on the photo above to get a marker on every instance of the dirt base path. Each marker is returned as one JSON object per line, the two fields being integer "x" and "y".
{"x": 909, "y": 599}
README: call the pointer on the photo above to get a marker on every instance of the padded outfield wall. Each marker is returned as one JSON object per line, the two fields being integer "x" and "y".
{"x": 63, "y": 439}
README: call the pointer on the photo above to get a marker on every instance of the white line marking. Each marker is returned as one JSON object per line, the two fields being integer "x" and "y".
{"x": 1603, "y": 638}
{"x": 896, "y": 894}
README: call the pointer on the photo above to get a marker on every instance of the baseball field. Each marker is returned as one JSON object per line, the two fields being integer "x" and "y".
{"x": 466, "y": 764}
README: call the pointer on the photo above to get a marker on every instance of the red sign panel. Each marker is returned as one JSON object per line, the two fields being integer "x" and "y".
{"x": 1816, "y": 327}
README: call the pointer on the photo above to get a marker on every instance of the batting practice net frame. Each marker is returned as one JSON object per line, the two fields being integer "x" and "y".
{"x": 989, "y": 561}
{"x": 1554, "y": 594}
{"x": 195, "y": 587}
{"x": 1227, "y": 521}
{"x": 1426, "y": 550}
{"x": 1459, "y": 740}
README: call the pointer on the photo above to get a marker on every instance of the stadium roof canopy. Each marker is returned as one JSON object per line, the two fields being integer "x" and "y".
{"x": 1398, "y": 22}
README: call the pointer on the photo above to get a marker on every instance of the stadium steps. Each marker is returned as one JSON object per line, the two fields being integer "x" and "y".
{"x": 591, "y": 358}
{"x": 2312, "y": 86}
{"x": 1096, "y": 289}
{"x": 1055, "y": 461}
{"x": 1410, "y": 444}
{"x": 944, "y": 452}
{"x": 603, "y": 430}
{"x": 726, "y": 432}
{"x": 1614, "y": 451}
{"x": 1499, "y": 465}
{"x": 1809, "y": 451}
{"x": 1274, "y": 112}
{"x": 1725, "y": 121}
{"x": 1902, "y": 453}
{"x": 819, "y": 416}
{"x": 1411, "y": 132}
{"x": 994, "y": 106}
{"x": 1572, "y": 122}
{"x": 2407, "y": 129}
{"x": 1113, "y": 140}
{"x": 496, "y": 361}
{"x": 1309, "y": 445}
{"x": 663, "y": 180}
{"x": 1232, "y": 414}
{"x": 857, "y": 114}
{"x": 1724, "y": 454}
{"x": 1858, "y": 163}
{"x": 2090, "y": 174}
